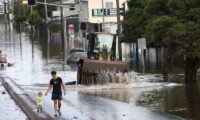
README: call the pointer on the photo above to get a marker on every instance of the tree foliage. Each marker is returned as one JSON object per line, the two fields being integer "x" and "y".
{"x": 21, "y": 12}
{"x": 41, "y": 8}
{"x": 34, "y": 18}
{"x": 54, "y": 27}
{"x": 172, "y": 24}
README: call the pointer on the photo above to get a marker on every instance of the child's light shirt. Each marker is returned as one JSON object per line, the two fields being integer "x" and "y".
{"x": 39, "y": 100}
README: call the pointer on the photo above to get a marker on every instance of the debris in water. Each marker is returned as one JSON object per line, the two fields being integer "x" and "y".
{"x": 75, "y": 117}
{"x": 10, "y": 64}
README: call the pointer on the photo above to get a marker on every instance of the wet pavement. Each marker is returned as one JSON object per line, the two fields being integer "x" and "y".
{"x": 9, "y": 110}
{"x": 81, "y": 106}
{"x": 33, "y": 63}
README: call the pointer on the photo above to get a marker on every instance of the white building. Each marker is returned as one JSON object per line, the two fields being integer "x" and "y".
{"x": 97, "y": 14}
{"x": 103, "y": 13}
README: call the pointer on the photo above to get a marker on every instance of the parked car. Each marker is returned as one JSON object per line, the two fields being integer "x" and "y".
{"x": 74, "y": 57}
{"x": 76, "y": 50}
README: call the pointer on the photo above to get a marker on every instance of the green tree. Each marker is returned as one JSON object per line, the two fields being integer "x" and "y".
{"x": 170, "y": 24}
{"x": 21, "y": 12}
{"x": 41, "y": 10}
{"x": 54, "y": 27}
{"x": 185, "y": 38}
{"x": 134, "y": 22}
{"x": 34, "y": 18}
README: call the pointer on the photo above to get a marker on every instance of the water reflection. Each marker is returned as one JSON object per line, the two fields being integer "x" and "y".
{"x": 35, "y": 58}
{"x": 182, "y": 101}
{"x": 124, "y": 95}
{"x": 29, "y": 53}
{"x": 193, "y": 98}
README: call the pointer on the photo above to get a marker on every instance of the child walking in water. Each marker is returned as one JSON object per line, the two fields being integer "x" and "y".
{"x": 39, "y": 102}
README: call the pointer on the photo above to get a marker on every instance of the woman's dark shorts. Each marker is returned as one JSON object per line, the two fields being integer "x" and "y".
{"x": 56, "y": 96}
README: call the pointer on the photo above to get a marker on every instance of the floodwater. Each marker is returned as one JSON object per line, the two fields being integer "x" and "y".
{"x": 181, "y": 100}
{"x": 34, "y": 59}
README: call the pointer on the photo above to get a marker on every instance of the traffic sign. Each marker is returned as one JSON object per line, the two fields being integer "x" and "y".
{"x": 104, "y": 12}
{"x": 142, "y": 43}
{"x": 1, "y": 9}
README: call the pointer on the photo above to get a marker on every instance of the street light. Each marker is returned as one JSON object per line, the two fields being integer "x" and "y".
{"x": 103, "y": 18}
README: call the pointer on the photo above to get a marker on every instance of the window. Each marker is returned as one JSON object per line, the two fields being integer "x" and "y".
{"x": 104, "y": 39}
{"x": 109, "y": 5}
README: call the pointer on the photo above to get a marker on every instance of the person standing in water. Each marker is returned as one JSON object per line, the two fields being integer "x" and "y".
{"x": 39, "y": 102}
{"x": 57, "y": 84}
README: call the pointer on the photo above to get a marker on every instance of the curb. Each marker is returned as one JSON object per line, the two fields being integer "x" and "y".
{"x": 23, "y": 100}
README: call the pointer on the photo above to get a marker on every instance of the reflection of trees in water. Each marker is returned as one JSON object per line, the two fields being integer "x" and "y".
{"x": 120, "y": 95}
{"x": 181, "y": 101}
{"x": 193, "y": 100}
{"x": 51, "y": 48}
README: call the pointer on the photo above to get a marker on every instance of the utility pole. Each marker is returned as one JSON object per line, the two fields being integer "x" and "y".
{"x": 5, "y": 12}
{"x": 48, "y": 32}
{"x": 31, "y": 9}
{"x": 62, "y": 28}
{"x": 5, "y": 18}
{"x": 19, "y": 11}
{"x": 103, "y": 17}
{"x": 80, "y": 17}
{"x": 119, "y": 32}
{"x": 46, "y": 11}
{"x": 8, "y": 14}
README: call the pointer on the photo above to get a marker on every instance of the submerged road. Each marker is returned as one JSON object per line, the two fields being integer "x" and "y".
{"x": 77, "y": 105}
{"x": 34, "y": 59}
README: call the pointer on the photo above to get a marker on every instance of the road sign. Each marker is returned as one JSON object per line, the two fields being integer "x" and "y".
{"x": 1, "y": 9}
{"x": 56, "y": 13}
{"x": 105, "y": 12}
{"x": 142, "y": 43}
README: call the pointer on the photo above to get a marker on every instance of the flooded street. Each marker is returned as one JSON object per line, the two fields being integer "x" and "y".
{"x": 33, "y": 63}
